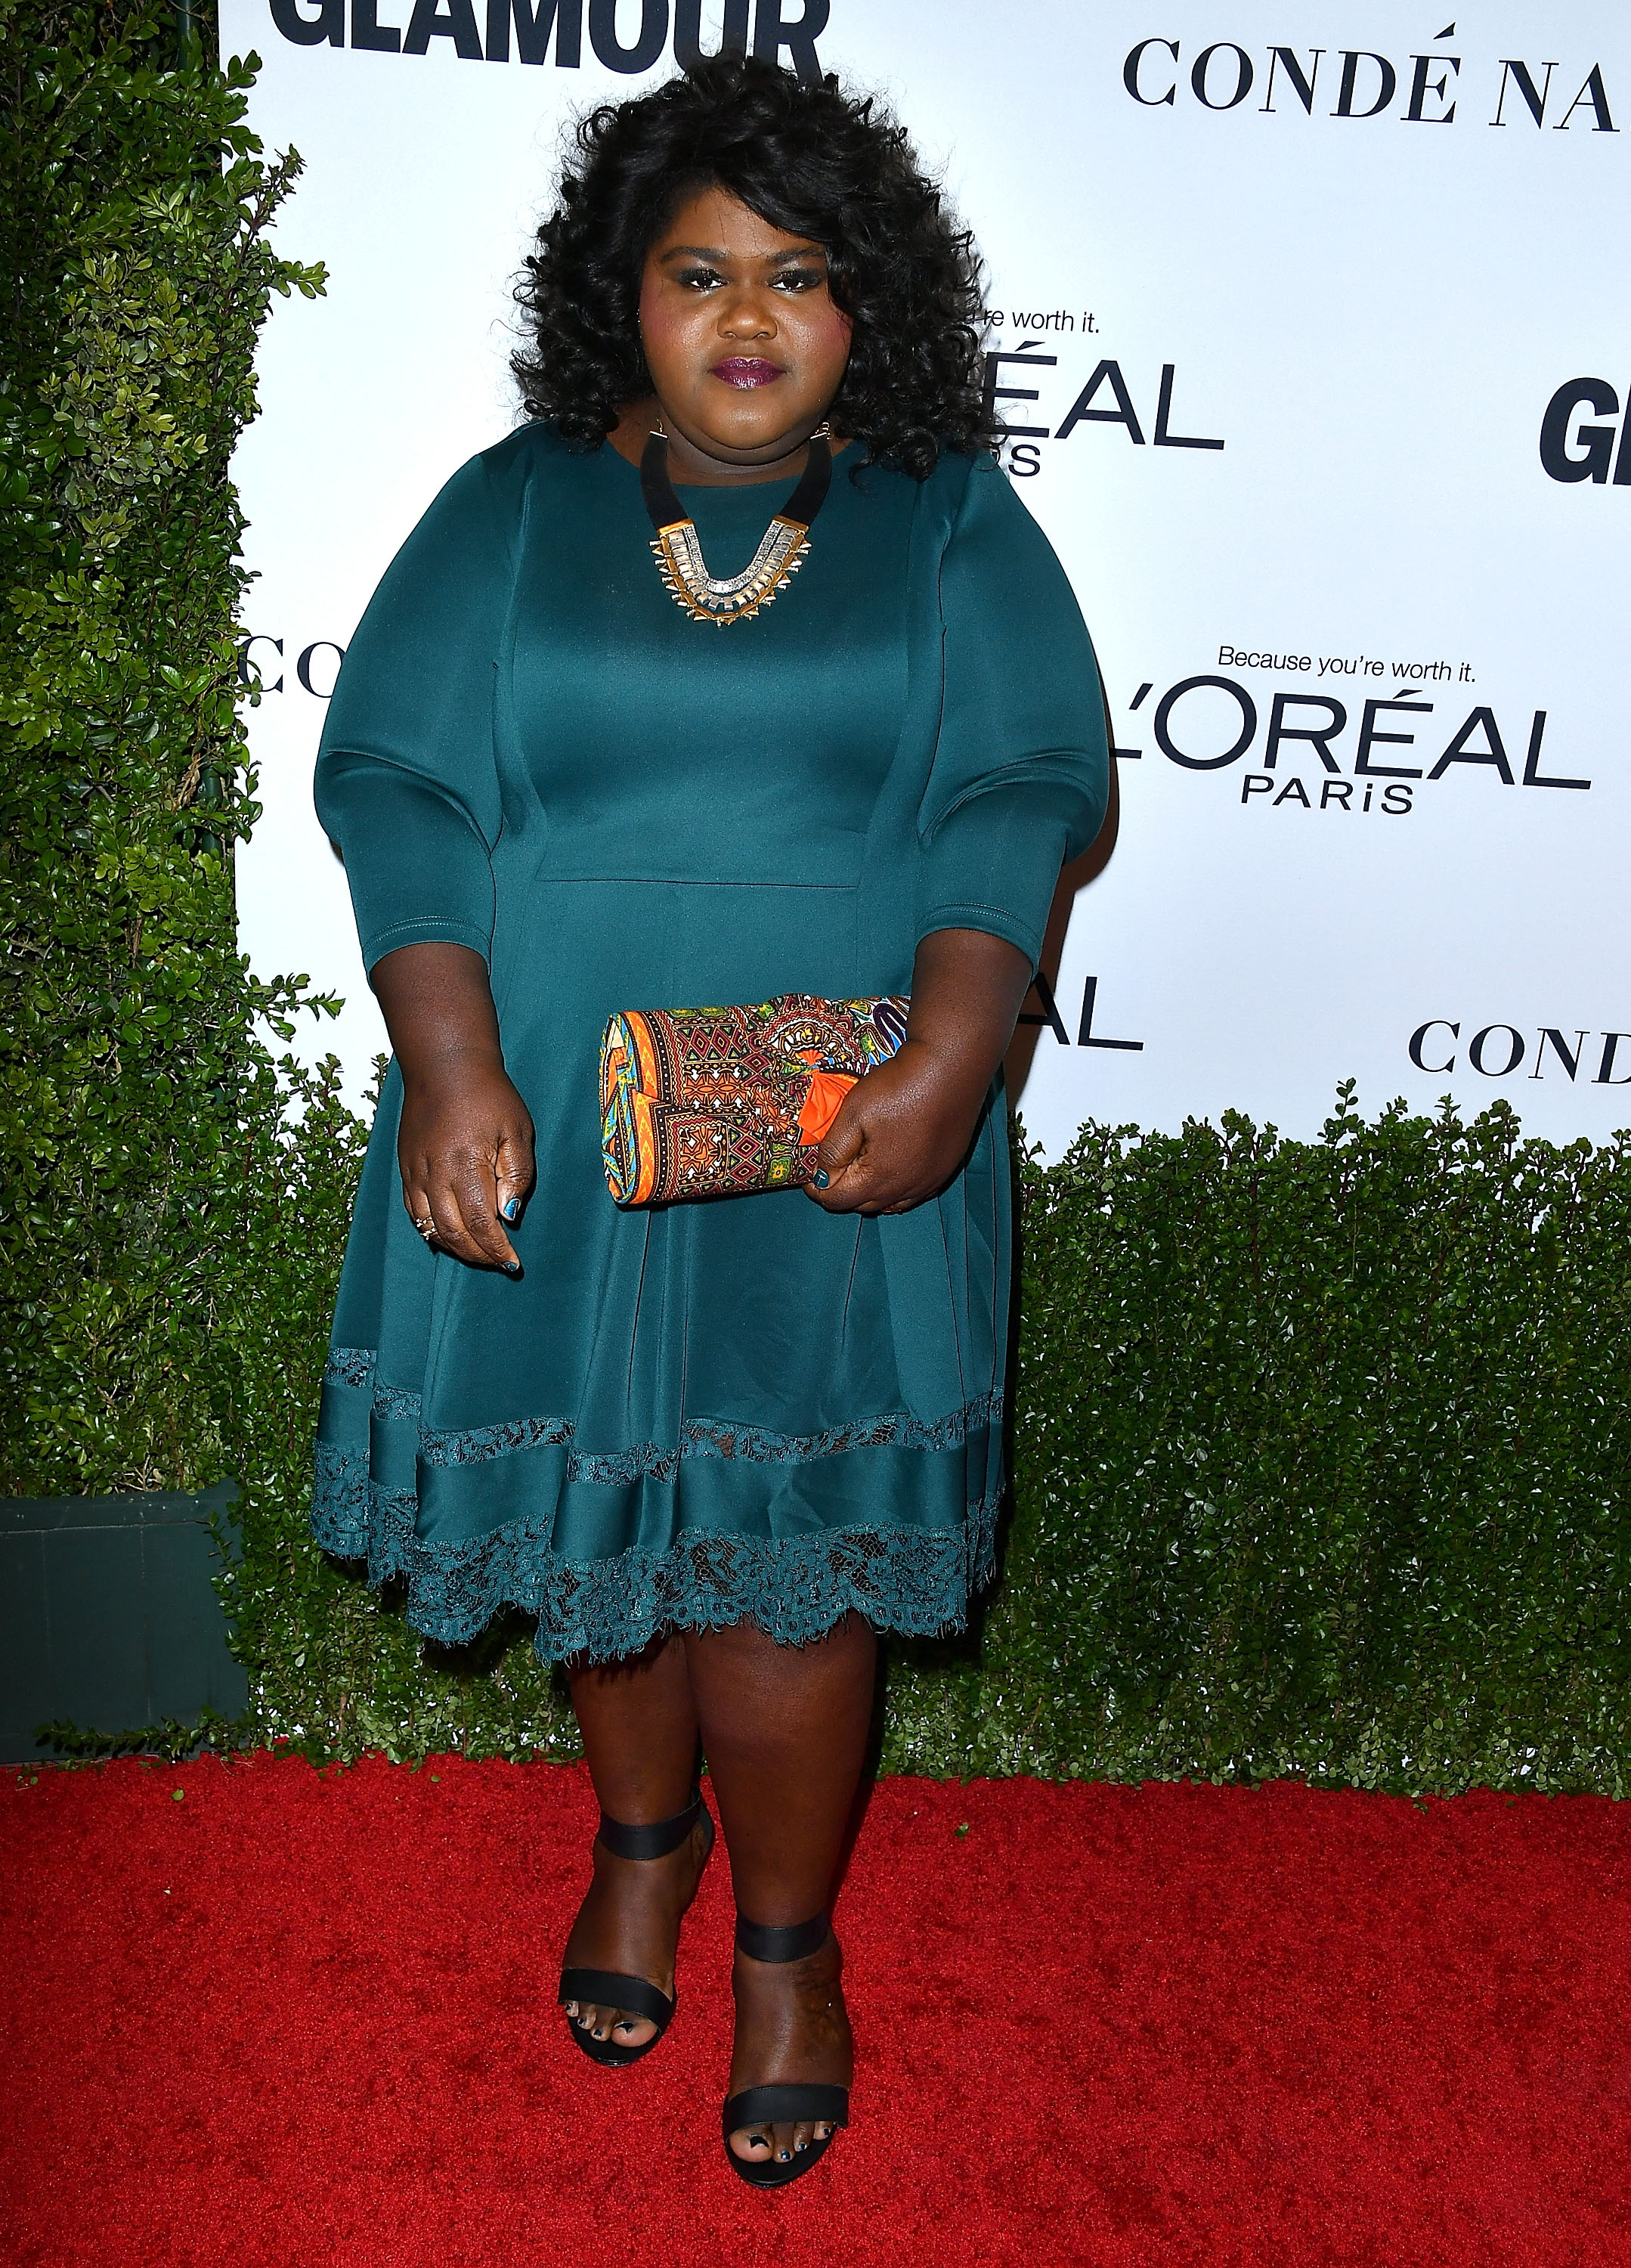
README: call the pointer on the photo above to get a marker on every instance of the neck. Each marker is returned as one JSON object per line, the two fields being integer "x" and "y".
{"x": 693, "y": 465}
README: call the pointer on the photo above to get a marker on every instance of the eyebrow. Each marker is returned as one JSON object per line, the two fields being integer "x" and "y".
{"x": 712, "y": 251}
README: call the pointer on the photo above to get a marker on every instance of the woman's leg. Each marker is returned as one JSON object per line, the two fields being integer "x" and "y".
{"x": 785, "y": 1732}
{"x": 640, "y": 1737}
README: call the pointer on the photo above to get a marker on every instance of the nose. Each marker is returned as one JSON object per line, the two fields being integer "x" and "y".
{"x": 747, "y": 314}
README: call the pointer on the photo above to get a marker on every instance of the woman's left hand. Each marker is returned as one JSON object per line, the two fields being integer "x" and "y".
{"x": 904, "y": 1129}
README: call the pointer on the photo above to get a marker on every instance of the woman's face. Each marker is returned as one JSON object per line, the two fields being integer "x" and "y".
{"x": 743, "y": 343}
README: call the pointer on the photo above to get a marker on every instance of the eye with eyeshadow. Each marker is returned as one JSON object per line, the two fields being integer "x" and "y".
{"x": 793, "y": 281}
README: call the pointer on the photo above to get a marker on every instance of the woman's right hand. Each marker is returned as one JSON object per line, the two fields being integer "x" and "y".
{"x": 465, "y": 1145}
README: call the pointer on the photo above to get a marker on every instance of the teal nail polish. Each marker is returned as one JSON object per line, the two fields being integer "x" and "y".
{"x": 510, "y": 1208}
{"x": 820, "y": 1177}
{"x": 512, "y": 1268}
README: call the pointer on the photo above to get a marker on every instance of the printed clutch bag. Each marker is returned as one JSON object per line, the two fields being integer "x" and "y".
{"x": 706, "y": 1102}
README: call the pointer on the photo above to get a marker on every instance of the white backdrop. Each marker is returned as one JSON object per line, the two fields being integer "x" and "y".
{"x": 1311, "y": 473}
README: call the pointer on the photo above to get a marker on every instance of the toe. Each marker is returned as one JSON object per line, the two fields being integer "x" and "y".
{"x": 782, "y": 2141}
{"x": 613, "y": 2024}
{"x": 752, "y": 2143}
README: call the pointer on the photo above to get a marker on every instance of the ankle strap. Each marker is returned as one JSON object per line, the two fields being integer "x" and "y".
{"x": 762, "y": 1941}
{"x": 655, "y": 1841}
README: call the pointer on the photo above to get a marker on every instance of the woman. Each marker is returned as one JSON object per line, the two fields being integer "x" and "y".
{"x": 714, "y": 1447}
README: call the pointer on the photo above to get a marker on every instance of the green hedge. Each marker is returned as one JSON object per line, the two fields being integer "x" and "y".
{"x": 1321, "y": 1460}
{"x": 1319, "y": 1450}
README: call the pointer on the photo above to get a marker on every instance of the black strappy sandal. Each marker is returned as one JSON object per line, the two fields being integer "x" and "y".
{"x": 605, "y": 1987}
{"x": 794, "y": 2099}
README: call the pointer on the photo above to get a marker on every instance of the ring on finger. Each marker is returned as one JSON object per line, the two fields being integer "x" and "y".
{"x": 426, "y": 1227}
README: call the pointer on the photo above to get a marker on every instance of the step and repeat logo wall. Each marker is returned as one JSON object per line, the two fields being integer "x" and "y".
{"x": 1308, "y": 333}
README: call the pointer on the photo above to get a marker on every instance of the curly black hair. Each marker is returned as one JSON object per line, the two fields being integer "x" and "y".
{"x": 810, "y": 160}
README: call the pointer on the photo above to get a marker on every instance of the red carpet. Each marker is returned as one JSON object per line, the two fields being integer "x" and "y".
{"x": 307, "y": 2022}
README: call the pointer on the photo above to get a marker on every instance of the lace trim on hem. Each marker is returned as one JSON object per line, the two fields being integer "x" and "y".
{"x": 909, "y": 1579}
{"x": 795, "y": 1588}
{"x": 340, "y": 1501}
{"x": 348, "y": 1366}
{"x": 707, "y": 1436}
{"x": 700, "y": 1437}
{"x": 393, "y": 1405}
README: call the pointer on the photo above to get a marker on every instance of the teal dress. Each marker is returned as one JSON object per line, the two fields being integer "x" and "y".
{"x": 748, "y": 1408}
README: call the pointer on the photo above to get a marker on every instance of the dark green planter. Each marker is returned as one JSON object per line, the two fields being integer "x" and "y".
{"x": 109, "y": 1620}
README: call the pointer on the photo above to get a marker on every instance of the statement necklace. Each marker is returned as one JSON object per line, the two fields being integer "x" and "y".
{"x": 677, "y": 550}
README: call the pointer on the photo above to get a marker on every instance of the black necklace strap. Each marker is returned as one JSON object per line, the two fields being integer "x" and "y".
{"x": 665, "y": 507}
{"x": 656, "y": 487}
{"x": 811, "y": 494}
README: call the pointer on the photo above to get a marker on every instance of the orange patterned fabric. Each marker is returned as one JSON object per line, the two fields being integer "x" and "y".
{"x": 827, "y": 1090}
{"x": 699, "y": 1102}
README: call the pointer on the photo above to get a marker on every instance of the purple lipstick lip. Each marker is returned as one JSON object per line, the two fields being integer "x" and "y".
{"x": 746, "y": 370}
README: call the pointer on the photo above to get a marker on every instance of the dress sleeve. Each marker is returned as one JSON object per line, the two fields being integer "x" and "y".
{"x": 407, "y": 785}
{"x": 1021, "y": 772}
